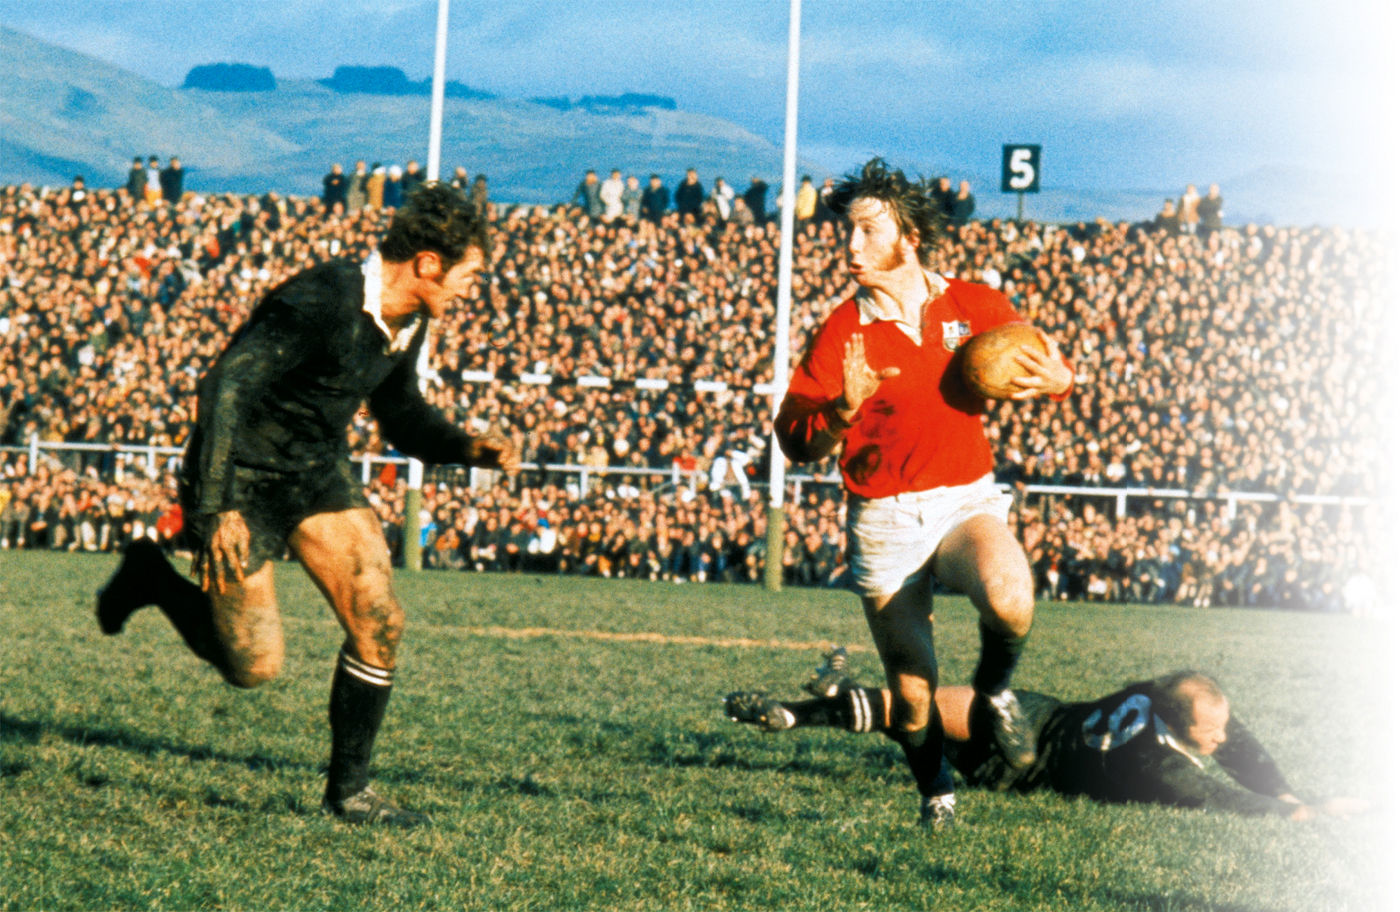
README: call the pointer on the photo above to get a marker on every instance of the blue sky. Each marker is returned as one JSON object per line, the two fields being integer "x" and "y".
{"x": 1121, "y": 95}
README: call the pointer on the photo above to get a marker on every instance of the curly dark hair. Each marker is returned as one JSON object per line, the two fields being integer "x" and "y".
{"x": 1177, "y": 694}
{"x": 913, "y": 204}
{"x": 437, "y": 217}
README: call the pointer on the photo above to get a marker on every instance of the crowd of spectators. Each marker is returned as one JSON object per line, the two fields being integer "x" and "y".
{"x": 1235, "y": 360}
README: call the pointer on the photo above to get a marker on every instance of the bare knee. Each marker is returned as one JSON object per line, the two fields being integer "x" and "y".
{"x": 376, "y": 625}
{"x": 1010, "y": 604}
{"x": 911, "y": 699}
{"x": 249, "y": 671}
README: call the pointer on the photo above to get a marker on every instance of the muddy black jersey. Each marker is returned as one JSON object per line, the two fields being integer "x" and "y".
{"x": 281, "y": 396}
{"x": 1118, "y": 749}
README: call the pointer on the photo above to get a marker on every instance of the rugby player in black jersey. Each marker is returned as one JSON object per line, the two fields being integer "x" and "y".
{"x": 1144, "y": 743}
{"x": 268, "y": 471}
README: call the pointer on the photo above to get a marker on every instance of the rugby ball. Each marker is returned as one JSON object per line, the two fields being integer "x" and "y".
{"x": 989, "y": 359}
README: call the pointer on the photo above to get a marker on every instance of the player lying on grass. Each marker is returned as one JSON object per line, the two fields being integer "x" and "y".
{"x": 268, "y": 469}
{"x": 1144, "y": 743}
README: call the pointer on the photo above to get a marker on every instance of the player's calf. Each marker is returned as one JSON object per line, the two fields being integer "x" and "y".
{"x": 858, "y": 709}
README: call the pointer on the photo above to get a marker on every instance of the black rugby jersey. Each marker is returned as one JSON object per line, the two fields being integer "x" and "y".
{"x": 1118, "y": 749}
{"x": 281, "y": 396}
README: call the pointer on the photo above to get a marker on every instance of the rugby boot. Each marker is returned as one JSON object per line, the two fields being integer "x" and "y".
{"x": 832, "y": 676}
{"x": 937, "y": 812}
{"x": 757, "y": 708}
{"x": 132, "y": 586}
{"x": 1009, "y": 728}
{"x": 368, "y": 806}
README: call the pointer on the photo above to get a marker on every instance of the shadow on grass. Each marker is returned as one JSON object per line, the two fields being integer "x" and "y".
{"x": 879, "y": 760}
{"x": 30, "y": 732}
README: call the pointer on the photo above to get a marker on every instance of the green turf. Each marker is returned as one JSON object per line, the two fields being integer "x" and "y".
{"x": 577, "y": 773}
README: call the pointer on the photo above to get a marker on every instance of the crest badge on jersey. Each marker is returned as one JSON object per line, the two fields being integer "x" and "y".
{"x": 955, "y": 332}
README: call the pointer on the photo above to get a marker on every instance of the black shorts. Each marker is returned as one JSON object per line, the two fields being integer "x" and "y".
{"x": 980, "y": 759}
{"x": 273, "y": 504}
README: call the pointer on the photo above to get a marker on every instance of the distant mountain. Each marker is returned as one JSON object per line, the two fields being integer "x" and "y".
{"x": 65, "y": 113}
{"x": 385, "y": 80}
{"x": 230, "y": 77}
{"x": 532, "y": 152}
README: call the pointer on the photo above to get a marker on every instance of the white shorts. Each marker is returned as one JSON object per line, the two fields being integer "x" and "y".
{"x": 892, "y": 539}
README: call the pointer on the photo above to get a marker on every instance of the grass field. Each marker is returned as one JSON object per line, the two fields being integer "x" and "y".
{"x": 566, "y": 770}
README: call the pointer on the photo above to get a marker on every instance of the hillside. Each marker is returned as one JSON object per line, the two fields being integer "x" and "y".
{"x": 64, "y": 113}
{"x": 531, "y": 152}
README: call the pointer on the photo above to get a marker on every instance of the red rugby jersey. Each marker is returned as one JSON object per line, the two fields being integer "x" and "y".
{"x": 919, "y": 430}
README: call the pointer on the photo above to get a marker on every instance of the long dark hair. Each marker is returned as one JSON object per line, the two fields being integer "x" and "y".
{"x": 913, "y": 203}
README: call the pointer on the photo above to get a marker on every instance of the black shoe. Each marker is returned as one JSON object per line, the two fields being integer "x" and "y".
{"x": 1009, "y": 728}
{"x": 756, "y": 708}
{"x": 367, "y": 806}
{"x": 937, "y": 812}
{"x": 833, "y": 676}
{"x": 130, "y": 587}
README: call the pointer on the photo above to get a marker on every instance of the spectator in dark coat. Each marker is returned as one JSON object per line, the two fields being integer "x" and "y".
{"x": 655, "y": 199}
{"x": 172, "y": 182}
{"x": 824, "y": 211}
{"x": 136, "y": 181}
{"x": 964, "y": 204}
{"x": 690, "y": 195}
{"x": 334, "y": 188}
{"x": 393, "y": 188}
{"x": 1167, "y": 220}
{"x": 1209, "y": 210}
{"x": 756, "y": 197}
{"x": 412, "y": 177}
{"x": 586, "y": 194}
{"x": 944, "y": 195}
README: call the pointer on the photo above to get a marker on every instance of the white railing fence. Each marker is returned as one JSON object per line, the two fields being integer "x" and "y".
{"x": 151, "y": 458}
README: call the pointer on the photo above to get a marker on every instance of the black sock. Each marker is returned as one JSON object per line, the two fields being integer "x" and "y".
{"x": 359, "y": 697}
{"x": 1000, "y": 653}
{"x": 923, "y": 750}
{"x": 860, "y": 709}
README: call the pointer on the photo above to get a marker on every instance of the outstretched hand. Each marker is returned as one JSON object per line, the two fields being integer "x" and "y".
{"x": 859, "y": 381}
{"x": 1046, "y": 373}
{"x": 1332, "y": 807}
{"x": 494, "y": 450}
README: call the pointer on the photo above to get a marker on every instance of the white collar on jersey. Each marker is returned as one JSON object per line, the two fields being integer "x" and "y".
{"x": 874, "y": 304}
{"x": 1167, "y": 739}
{"x": 373, "y": 269}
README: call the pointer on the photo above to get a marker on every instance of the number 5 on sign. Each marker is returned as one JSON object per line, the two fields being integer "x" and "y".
{"x": 1020, "y": 169}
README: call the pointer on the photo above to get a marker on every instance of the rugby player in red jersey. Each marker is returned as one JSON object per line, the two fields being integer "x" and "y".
{"x": 917, "y": 467}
